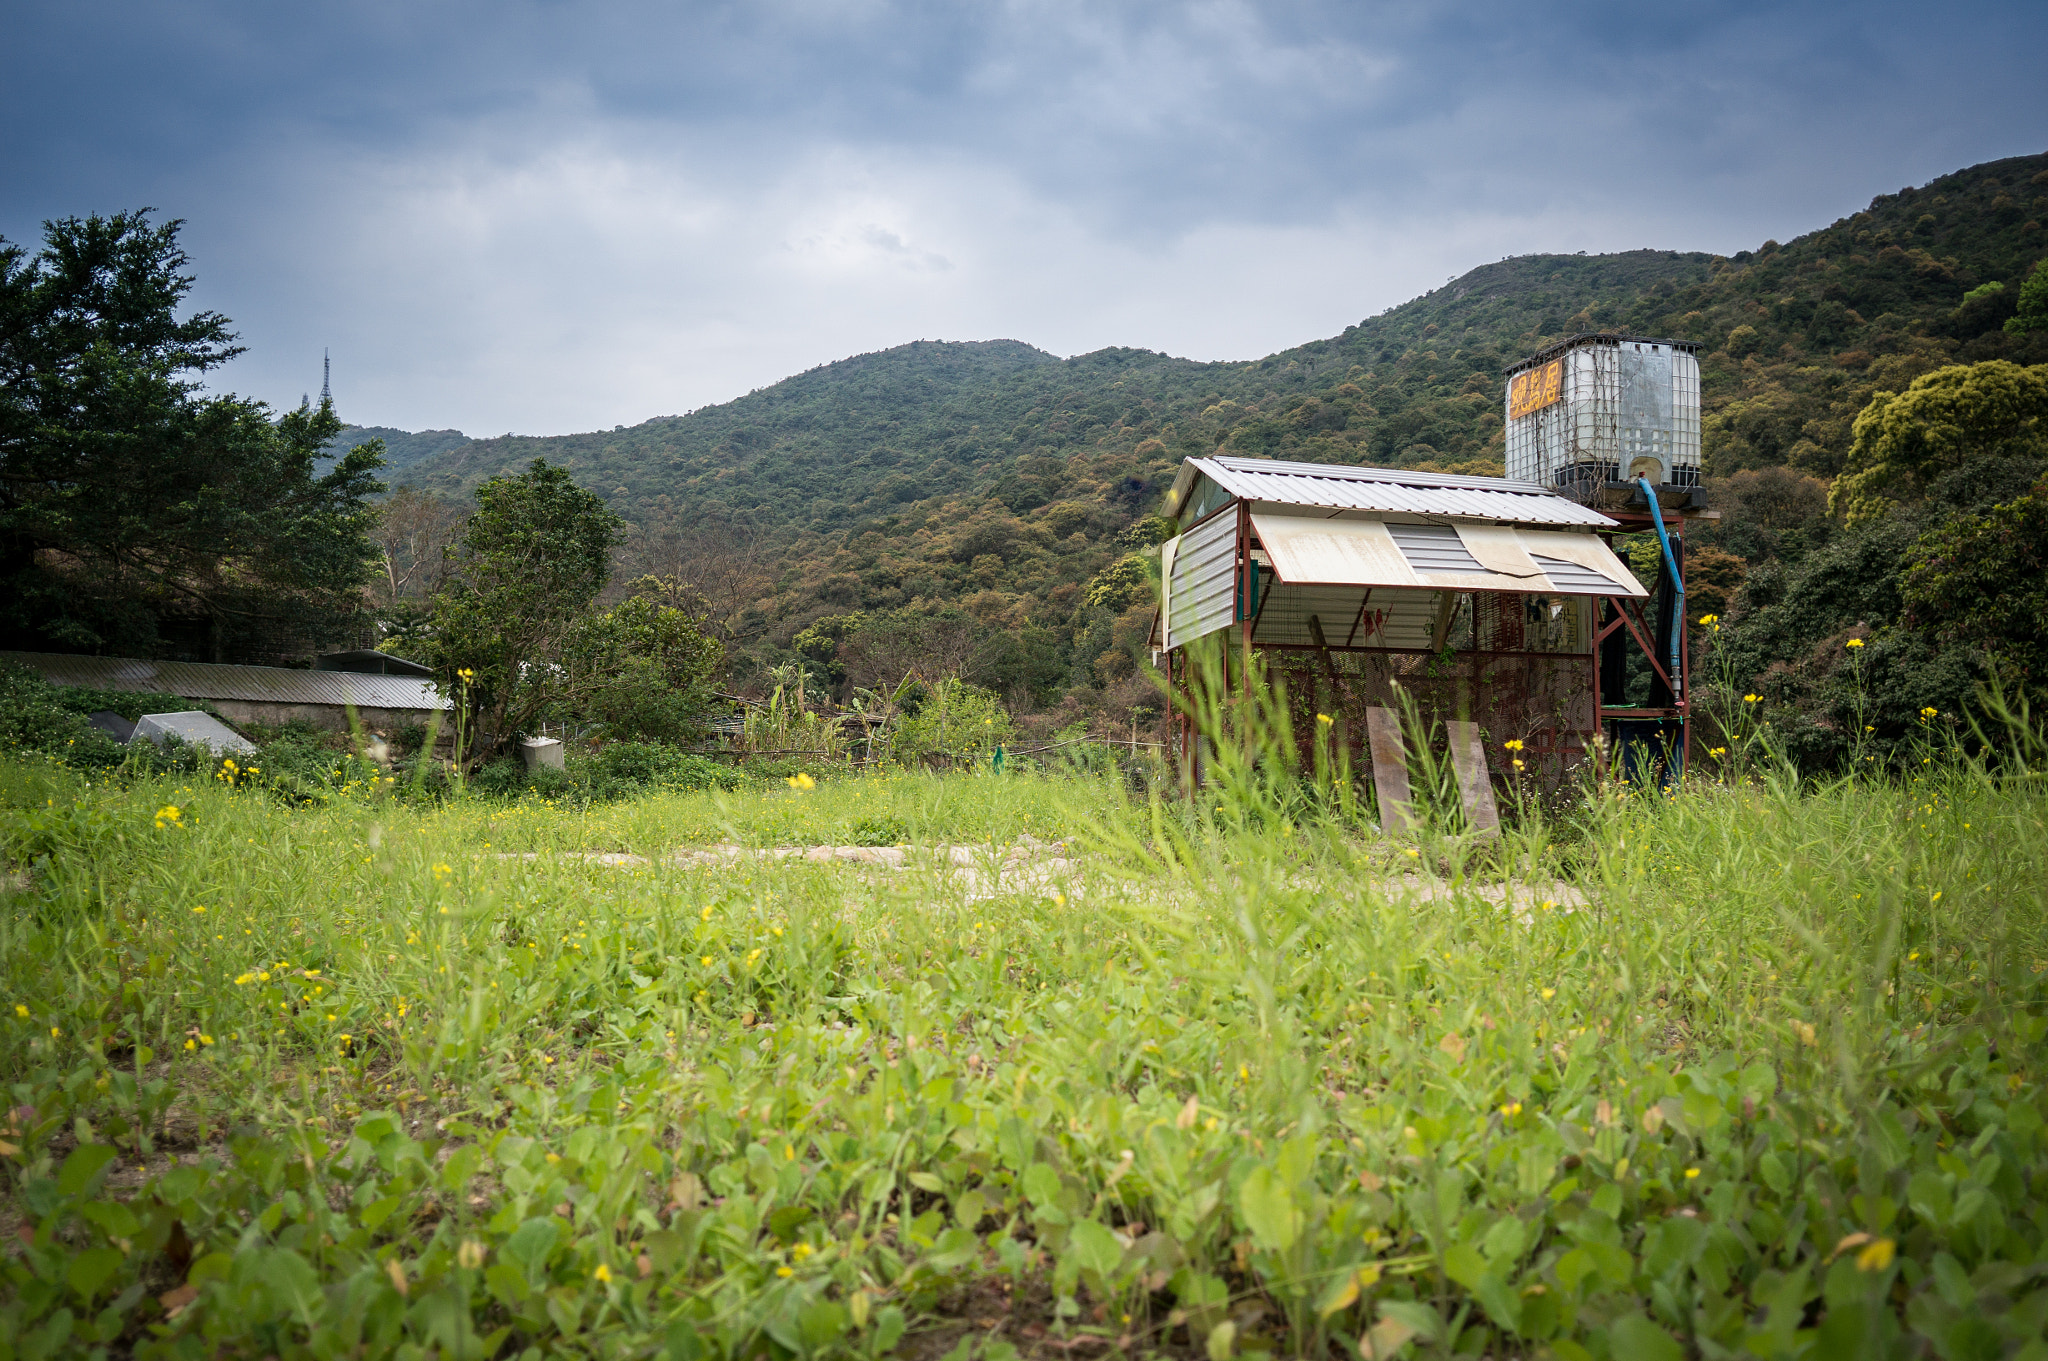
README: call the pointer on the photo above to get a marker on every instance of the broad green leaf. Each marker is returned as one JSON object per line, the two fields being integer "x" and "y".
{"x": 82, "y": 1166}
{"x": 1573, "y": 1268}
{"x": 1501, "y": 1302}
{"x": 292, "y": 1282}
{"x": 1269, "y": 1210}
{"x": 664, "y": 1248}
{"x": 1464, "y": 1265}
{"x": 821, "y": 1322}
{"x": 1095, "y": 1248}
{"x": 460, "y": 1167}
{"x": 1504, "y": 1241}
{"x": 530, "y": 1244}
{"x": 1042, "y": 1184}
{"x": 374, "y": 1214}
{"x": 1420, "y": 1320}
{"x": 506, "y": 1282}
{"x": 113, "y": 1218}
{"x": 1638, "y": 1339}
{"x": 90, "y": 1270}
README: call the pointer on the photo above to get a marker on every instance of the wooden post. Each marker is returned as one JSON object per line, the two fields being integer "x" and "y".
{"x": 1593, "y": 743}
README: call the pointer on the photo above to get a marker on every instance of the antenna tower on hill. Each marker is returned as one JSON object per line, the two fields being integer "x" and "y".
{"x": 326, "y": 372}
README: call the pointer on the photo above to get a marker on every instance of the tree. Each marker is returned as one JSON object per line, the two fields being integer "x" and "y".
{"x": 641, "y": 671}
{"x": 1947, "y": 418}
{"x": 2033, "y": 303}
{"x": 414, "y": 531}
{"x": 130, "y": 502}
{"x": 1982, "y": 581}
{"x": 531, "y": 560}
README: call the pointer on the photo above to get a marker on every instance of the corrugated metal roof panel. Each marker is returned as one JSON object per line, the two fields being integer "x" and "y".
{"x": 1394, "y": 491}
{"x": 1202, "y": 586}
{"x": 259, "y": 684}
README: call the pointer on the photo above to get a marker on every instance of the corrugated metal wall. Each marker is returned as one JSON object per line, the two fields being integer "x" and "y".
{"x": 1202, "y": 595}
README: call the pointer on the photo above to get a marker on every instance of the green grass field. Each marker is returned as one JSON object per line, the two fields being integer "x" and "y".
{"x": 358, "y": 1080}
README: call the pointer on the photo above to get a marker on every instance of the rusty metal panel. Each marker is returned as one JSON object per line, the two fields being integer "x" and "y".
{"x": 1201, "y": 593}
{"x": 1333, "y": 552}
{"x": 257, "y": 684}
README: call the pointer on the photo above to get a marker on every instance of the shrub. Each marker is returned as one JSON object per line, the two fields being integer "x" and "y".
{"x": 620, "y": 768}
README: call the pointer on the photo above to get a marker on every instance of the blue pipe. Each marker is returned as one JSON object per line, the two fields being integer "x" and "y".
{"x": 1677, "y": 580}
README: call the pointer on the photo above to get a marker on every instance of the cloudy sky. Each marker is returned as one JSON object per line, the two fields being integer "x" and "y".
{"x": 557, "y": 216}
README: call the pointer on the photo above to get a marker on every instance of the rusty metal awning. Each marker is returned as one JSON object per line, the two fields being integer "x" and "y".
{"x": 1305, "y": 550}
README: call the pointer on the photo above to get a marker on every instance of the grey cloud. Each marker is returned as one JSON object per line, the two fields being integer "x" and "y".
{"x": 548, "y": 215}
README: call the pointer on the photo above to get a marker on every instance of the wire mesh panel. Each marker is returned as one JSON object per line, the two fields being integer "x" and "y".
{"x": 1543, "y": 700}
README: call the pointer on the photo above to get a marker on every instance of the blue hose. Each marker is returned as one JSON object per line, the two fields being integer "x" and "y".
{"x": 1677, "y": 580}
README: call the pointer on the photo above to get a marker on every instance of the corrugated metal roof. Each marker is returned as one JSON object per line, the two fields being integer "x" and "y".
{"x": 1389, "y": 490}
{"x": 260, "y": 684}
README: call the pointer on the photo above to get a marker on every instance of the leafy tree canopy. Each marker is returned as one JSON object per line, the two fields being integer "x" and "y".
{"x": 1982, "y": 581}
{"x": 531, "y": 561}
{"x": 2032, "y": 312}
{"x": 136, "y": 512}
{"x": 641, "y": 671}
{"x": 1943, "y": 420}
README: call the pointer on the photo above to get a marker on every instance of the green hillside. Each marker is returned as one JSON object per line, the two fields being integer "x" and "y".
{"x": 402, "y": 448}
{"x": 982, "y": 487}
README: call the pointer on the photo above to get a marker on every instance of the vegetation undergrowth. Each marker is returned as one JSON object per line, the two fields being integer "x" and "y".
{"x": 357, "y": 1078}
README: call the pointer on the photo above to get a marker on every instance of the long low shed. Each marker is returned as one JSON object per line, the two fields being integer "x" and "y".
{"x": 1481, "y": 597}
{"x": 252, "y": 694}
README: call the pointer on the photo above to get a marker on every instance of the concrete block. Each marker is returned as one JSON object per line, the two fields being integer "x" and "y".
{"x": 542, "y": 752}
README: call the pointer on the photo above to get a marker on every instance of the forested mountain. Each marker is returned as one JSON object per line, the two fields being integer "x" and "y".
{"x": 402, "y": 448}
{"x": 975, "y": 492}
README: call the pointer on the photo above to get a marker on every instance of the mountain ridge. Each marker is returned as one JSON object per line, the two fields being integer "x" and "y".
{"x": 994, "y": 479}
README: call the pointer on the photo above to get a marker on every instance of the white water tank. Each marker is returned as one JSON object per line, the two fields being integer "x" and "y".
{"x": 1605, "y": 408}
